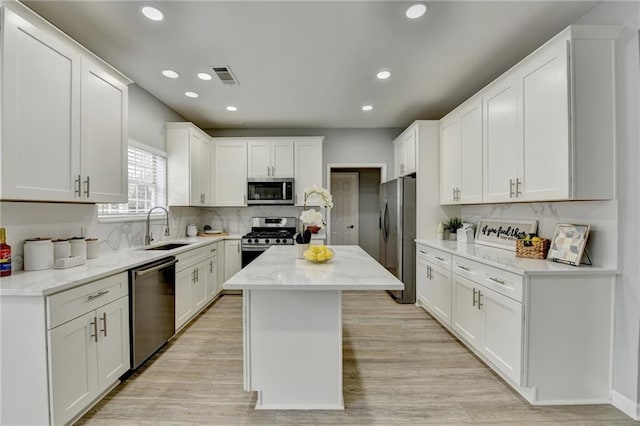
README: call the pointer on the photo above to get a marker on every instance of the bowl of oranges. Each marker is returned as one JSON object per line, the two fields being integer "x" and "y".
{"x": 318, "y": 254}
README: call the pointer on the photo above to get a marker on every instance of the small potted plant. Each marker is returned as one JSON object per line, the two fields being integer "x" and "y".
{"x": 451, "y": 227}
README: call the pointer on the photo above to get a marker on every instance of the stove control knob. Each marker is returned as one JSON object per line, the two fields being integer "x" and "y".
{"x": 266, "y": 241}
{"x": 277, "y": 241}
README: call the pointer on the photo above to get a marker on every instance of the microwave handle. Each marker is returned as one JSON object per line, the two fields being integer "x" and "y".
{"x": 284, "y": 190}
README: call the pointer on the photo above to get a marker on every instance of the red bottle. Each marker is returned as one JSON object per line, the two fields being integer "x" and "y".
{"x": 5, "y": 255}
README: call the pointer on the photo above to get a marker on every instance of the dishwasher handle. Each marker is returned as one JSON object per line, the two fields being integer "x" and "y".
{"x": 143, "y": 272}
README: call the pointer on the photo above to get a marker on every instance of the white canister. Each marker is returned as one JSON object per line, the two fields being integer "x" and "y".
{"x": 61, "y": 249}
{"x": 38, "y": 254}
{"x": 92, "y": 248}
{"x": 78, "y": 247}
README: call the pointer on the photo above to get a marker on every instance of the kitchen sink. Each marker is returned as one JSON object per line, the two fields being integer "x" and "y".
{"x": 168, "y": 246}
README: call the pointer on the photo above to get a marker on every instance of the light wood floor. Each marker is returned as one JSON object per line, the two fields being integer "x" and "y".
{"x": 400, "y": 367}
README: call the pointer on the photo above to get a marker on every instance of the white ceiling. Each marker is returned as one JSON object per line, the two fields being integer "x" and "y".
{"x": 310, "y": 64}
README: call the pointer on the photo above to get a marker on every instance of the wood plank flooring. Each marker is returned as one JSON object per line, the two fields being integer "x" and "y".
{"x": 400, "y": 367}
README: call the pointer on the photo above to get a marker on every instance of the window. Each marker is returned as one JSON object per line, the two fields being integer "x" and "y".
{"x": 147, "y": 184}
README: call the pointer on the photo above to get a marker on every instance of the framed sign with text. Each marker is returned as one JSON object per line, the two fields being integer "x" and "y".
{"x": 503, "y": 233}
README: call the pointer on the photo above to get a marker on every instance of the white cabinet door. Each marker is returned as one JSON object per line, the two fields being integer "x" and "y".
{"x": 231, "y": 173}
{"x": 212, "y": 272}
{"x": 409, "y": 142}
{"x": 450, "y": 153}
{"x": 502, "y": 332}
{"x": 258, "y": 159}
{"x": 398, "y": 156}
{"x": 113, "y": 338}
{"x": 441, "y": 301}
{"x": 199, "y": 166}
{"x": 199, "y": 286}
{"x": 73, "y": 359}
{"x": 282, "y": 158}
{"x": 232, "y": 258}
{"x": 184, "y": 281}
{"x": 471, "y": 153}
{"x": 308, "y": 166}
{"x": 466, "y": 317}
{"x": 104, "y": 135}
{"x": 40, "y": 108}
{"x": 545, "y": 125}
{"x": 501, "y": 142}
{"x": 424, "y": 288}
{"x": 220, "y": 267}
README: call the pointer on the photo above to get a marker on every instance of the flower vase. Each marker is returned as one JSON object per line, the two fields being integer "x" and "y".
{"x": 301, "y": 249}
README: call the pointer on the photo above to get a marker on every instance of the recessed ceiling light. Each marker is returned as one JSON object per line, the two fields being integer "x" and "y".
{"x": 204, "y": 76}
{"x": 191, "y": 94}
{"x": 383, "y": 75}
{"x": 152, "y": 13}
{"x": 416, "y": 10}
{"x": 232, "y": 108}
{"x": 367, "y": 107}
{"x": 170, "y": 74}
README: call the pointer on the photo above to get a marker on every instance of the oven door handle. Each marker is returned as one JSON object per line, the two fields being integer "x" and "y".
{"x": 143, "y": 272}
{"x": 253, "y": 249}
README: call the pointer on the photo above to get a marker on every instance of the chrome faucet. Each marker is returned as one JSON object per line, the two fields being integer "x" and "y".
{"x": 149, "y": 236}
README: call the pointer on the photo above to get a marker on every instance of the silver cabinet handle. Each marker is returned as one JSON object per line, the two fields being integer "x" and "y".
{"x": 244, "y": 199}
{"x": 453, "y": 191}
{"x": 197, "y": 275}
{"x": 213, "y": 249}
{"x": 78, "y": 185}
{"x": 211, "y": 266}
{"x": 440, "y": 259}
{"x": 474, "y": 297}
{"x": 87, "y": 190}
{"x": 238, "y": 246}
{"x": 268, "y": 171}
{"x": 480, "y": 304}
{"x": 518, "y": 183}
{"x": 464, "y": 268}
{"x": 496, "y": 280}
{"x": 273, "y": 170}
{"x": 193, "y": 276}
{"x": 422, "y": 252}
{"x": 104, "y": 323}
{"x": 94, "y": 324}
{"x": 510, "y": 188}
{"x": 99, "y": 294}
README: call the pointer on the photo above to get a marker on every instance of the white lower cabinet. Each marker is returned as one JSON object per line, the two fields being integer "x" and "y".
{"x": 491, "y": 323}
{"x": 433, "y": 283}
{"x": 197, "y": 281}
{"x": 232, "y": 258}
{"x": 90, "y": 352}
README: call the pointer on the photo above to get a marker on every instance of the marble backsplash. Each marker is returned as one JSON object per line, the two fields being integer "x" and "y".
{"x": 602, "y": 245}
{"x": 237, "y": 220}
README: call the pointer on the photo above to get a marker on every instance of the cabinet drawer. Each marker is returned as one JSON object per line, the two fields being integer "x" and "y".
{"x": 435, "y": 256}
{"x": 503, "y": 282}
{"x": 191, "y": 257}
{"x": 70, "y": 304}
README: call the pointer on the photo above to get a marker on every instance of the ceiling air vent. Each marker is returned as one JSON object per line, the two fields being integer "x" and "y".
{"x": 225, "y": 75}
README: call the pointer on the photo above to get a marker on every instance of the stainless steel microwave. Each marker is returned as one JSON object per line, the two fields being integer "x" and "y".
{"x": 270, "y": 191}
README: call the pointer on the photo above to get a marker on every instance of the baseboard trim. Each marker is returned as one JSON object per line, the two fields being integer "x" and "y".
{"x": 629, "y": 407}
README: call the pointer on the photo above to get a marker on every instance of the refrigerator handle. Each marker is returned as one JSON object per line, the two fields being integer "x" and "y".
{"x": 385, "y": 221}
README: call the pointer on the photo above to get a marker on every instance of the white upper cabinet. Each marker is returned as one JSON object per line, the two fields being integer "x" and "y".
{"x": 308, "y": 165}
{"x": 501, "y": 147}
{"x": 404, "y": 149}
{"x": 461, "y": 152}
{"x": 64, "y": 123}
{"x": 103, "y": 118}
{"x": 550, "y": 122}
{"x": 270, "y": 158}
{"x": 230, "y": 172}
{"x": 188, "y": 165}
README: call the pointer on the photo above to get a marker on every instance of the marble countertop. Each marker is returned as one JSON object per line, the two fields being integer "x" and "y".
{"x": 507, "y": 260}
{"x": 280, "y": 269}
{"x": 50, "y": 281}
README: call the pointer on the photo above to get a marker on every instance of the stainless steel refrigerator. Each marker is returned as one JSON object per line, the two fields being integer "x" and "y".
{"x": 398, "y": 234}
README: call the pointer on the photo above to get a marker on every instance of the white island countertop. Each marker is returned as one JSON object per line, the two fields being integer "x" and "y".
{"x": 279, "y": 268}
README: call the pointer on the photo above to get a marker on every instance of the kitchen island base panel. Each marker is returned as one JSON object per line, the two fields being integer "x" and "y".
{"x": 293, "y": 349}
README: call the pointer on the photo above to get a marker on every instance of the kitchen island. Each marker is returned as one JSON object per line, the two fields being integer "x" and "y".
{"x": 292, "y": 323}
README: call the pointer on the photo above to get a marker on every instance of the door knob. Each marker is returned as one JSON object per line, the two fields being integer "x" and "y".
{"x": 350, "y": 226}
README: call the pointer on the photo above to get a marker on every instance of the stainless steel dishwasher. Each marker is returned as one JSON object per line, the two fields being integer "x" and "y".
{"x": 152, "y": 308}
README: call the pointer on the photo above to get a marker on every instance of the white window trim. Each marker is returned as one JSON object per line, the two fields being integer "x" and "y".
{"x": 155, "y": 216}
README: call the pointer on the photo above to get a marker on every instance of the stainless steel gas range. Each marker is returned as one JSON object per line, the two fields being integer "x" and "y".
{"x": 266, "y": 232}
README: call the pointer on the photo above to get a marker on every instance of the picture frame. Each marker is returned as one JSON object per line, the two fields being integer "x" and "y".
{"x": 503, "y": 233}
{"x": 568, "y": 243}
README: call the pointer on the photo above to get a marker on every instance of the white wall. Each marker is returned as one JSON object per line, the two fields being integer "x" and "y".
{"x": 626, "y": 380}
